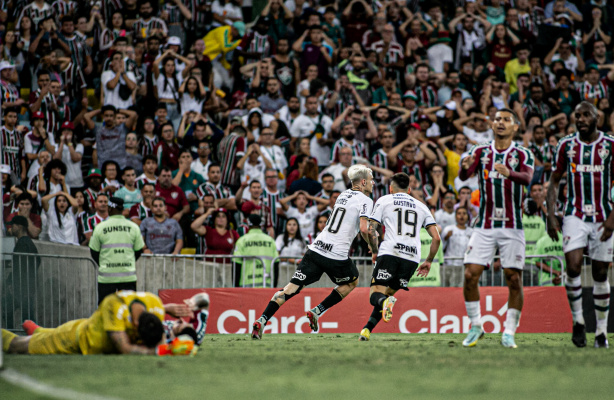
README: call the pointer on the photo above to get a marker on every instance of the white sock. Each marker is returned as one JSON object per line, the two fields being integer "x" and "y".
{"x": 473, "y": 312}
{"x": 601, "y": 297}
{"x": 511, "y": 321}
{"x": 574, "y": 295}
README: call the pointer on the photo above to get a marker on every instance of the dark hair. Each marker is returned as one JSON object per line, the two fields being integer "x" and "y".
{"x": 149, "y": 184}
{"x": 58, "y": 214}
{"x": 461, "y": 208}
{"x": 185, "y": 150}
{"x": 198, "y": 94}
{"x": 150, "y": 329}
{"x": 215, "y": 214}
{"x": 108, "y": 107}
{"x": 255, "y": 181}
{"x": 400, "y": 180}
{"x": 191, "y": 332}
{"x": 166, "y": 169}
{"x": 161, "y": 106}
{"x": 215, "y": 164}
{"x": 66, "y": 18}
{"x": 54, "y": 163}
{"x": 507, "y": 110}
{"x": 150, "y": 157}
{"x": 158, "y": 198}
{"x": 327, "y": 175}
{"x": 127, "y": 169}
{"x": 24, "y": 196}
{"x": 297, "y": 236}
{"x": 11, "y": 109}
{"x": 174, "y": 77}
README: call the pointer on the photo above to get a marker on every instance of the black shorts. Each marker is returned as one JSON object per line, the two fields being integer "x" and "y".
{"x": 393, "y": 272}
{"x": 313, "y": 265}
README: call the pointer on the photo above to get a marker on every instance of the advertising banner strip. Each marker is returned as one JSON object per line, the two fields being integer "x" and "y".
{"x": 421, "y": 310}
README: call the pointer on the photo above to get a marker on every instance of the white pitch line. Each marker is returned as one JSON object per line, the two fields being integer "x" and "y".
{"x": 30, "y": 384}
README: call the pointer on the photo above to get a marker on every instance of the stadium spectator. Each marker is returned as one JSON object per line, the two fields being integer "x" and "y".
{"x": 219, "y": 238}
{"x": 176, "y": 202}
{"x": 142, "y": 210}
{"x": 162, "y": 235}
{"x": 101, "y": 213}
{"x": 304, "y": 214}
{"x": 128, "y": 192}
{"x": 24, "y": 271}
{"x": 70, "y": 151}
{"x": 61, "y": 211}
{"x": 24, "y": 203}
{"x": 455, "y": 238}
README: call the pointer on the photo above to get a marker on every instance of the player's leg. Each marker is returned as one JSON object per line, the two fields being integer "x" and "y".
{"x": 512, "y": 247}
{"x": 601, "y": 256}
{"x": 575, "y": 239}
{"x": 307, "y": 272}
{"x": 345, "y": 274}
{"x": 480, "y": 252}
{"x": 278, "y": 300}
{"x": 60, "y": 340}
{"x": 513, "y": 278}
{"x": 378, "y": 296}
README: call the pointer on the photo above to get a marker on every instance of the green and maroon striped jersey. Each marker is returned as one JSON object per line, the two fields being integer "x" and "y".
{"x": 590, "y": 169}
{"x": 500, "y": 197}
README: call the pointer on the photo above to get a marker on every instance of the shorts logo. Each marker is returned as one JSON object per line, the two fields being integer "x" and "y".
{"x": 469, "y": 248}
{"x": 339, "y": 280}
{"x": 383, "y": 275}
{"x": 403, "y": 282}
{"x": 566, "y": 240}
{"x": 299, "y": 275}
{"x": 518, "y": 257}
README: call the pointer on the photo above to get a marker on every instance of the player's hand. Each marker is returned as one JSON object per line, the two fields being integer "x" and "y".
{"x": 608, "y": 228}
{"x": 554, "y": 228}
{"x": 424, "y": 269}
{"x": 178, "y": 310}
{"x": 502, "y": 169}
{"x": 373, "y": 258}
{"x": 468, "y": 161}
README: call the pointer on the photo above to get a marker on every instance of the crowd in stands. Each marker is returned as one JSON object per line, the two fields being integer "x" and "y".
{"x": 199, "y": 113}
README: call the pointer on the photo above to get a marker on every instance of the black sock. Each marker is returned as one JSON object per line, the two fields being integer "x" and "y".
{"x": 270, "y": 310}
{"x": 377, "y": 299}
{"x": 374, "y": 318}
{"x": 333, "y": 298}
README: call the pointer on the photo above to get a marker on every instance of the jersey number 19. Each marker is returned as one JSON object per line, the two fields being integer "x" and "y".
{"x": 410, "y": 219}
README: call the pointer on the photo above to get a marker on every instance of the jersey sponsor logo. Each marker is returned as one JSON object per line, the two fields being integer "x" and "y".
{"x": 383, "y": 274}
{"x": 586, "y": 168}
{"x": 323, "y": 246}
{"x": 406, "y": 249}
{"x": 339, "y": 280}
{"x": 299, "y": 275}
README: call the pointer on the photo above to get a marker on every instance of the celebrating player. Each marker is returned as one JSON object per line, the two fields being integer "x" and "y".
{"x": 126, "y": 322}
{"x": 399, "y": 255}
{"x": 503, "y": 168}
{"x": 329, "y": 253}
{"x": 586, "y": 156}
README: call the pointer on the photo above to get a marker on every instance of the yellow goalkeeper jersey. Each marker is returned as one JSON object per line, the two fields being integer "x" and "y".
{"x": 113, "y": 314}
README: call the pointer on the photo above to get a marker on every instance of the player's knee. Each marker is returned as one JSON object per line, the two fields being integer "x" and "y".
{"x": 353, "y": 284}
{"x": 471, "y": 279}
{"x": 514, "y": 281}
{"x": 279, "y": 297}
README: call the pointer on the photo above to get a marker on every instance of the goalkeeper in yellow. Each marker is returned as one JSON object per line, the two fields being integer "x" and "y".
{"x": 126, "y": 322}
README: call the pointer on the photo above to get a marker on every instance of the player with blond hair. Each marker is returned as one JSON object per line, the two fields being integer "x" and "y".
{"x": 329, "y": 253}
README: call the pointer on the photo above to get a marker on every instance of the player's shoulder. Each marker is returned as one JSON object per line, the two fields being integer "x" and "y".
{"x": 567, "y": 138}
{"x": 479, "y": 147}
{"x": 608, "y": 137}
{"x": 524, "y": 150}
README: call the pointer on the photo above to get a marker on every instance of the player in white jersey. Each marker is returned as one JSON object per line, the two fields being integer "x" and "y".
{"x": 329, "y": 253}
{"x": 398, "y": 255}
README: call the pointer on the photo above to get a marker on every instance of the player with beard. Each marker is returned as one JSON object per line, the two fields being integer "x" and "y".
{"x": 286, "y": 69}
{"x": 291, "y": 111}
{"x": 330, "y": 252}
{"x": 503, "y": 169}
{"x": 586, "y": 156}
{"x": 348, "y": 135}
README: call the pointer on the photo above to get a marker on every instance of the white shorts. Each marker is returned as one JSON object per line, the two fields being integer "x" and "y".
{"x": 484, "y": 242}
{"x": 578, "y": 234}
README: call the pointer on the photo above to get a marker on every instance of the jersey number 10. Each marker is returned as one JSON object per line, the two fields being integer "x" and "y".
{"x": 333, "y": 224}
{"x": 410, "y": 219}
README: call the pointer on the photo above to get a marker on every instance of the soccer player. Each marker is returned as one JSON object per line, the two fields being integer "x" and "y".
{"x": 586, "y": 156}
{"x": 330, "y": 252}
{"x": 126, "y": 322}
{"x": 503, "y": 168}
{"x": 399, "y": 254}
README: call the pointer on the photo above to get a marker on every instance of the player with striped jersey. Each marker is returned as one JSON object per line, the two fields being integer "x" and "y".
{"x": 595, "y": 87}
{"x": 330, "y": 252}
{"x": 148, "y": 25}
{"x": 388, "y": 51}
{"x": 101, "y": 208}
{"x": 380, "y": 159}
{"x": 271, "y": 195}
{"x": 396, "y": 258}
{"x": 586, "y": 157}
{"x": 63, "y": 7}
{"x": 142, "y": 210}
{"x": 503, "y": 169}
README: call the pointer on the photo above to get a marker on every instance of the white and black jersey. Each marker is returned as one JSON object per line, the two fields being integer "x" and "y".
{"x": 402, "y": 217}
{"x": 343, "y": 225}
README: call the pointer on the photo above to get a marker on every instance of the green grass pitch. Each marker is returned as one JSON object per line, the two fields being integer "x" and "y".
{"x": 333, "y": 366}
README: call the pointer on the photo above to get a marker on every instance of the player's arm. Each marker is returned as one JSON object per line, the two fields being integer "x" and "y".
{"x": 121, "y": 341}
{"x": 468, "y": 166}
{"x": 373, "y": 232}
{"x": 424, "y": 269}
{"x": 552, "y": 194}
{"x": 177, "y": 310}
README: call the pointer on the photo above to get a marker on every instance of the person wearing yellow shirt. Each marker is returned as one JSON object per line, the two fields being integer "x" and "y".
{"x": 453, "y": 157}
{"x": 222, "y": 40}
{"x": 126, "y": 322}
{"x": 517, "y": 66}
